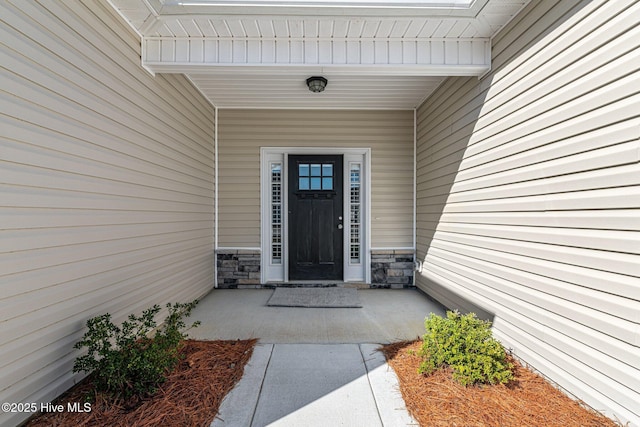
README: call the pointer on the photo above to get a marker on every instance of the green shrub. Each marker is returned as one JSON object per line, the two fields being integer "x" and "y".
{"x": 464, "y": 343}
{"x": 125, "y": 360}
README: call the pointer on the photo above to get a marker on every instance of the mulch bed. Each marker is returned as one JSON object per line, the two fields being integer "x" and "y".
{"x": 191, "y": 396}
{"x": 528, "y": 400}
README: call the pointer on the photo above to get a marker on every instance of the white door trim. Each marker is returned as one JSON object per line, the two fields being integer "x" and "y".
{"x": 270, "y": 272}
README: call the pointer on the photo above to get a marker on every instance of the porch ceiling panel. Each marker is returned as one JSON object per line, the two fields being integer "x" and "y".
{"x": 384, "y": 54}
{"x": 290, "y": 91}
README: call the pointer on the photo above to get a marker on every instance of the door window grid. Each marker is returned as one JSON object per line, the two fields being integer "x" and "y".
{"x": 276, "y": 213}
{"x": 315, "y": 176}
{"x": 355, "y": 186}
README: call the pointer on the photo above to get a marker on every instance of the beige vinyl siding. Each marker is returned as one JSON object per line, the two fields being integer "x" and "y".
{"x": 528, "y": 196}
{"x": 106, "y": 188}
{"x": 389, "y": 134}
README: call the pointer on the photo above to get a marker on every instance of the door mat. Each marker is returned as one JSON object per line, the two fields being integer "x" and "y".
{"x": 315, "y": 297}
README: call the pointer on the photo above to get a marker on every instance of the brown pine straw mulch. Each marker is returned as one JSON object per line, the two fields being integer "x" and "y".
{"x": 528, "y": 400}
{"x": 191, "y": 396}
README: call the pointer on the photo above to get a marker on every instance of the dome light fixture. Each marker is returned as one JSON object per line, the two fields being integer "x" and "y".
{"x": 316, "y": 83}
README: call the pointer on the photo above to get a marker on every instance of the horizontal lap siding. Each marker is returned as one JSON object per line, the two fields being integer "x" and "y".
{"x": 106, "y": 187}
{"x": 528, "y": 201}
{"x": 389, "y": 134}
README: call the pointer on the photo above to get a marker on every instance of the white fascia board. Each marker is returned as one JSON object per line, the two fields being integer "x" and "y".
{"x": 402, "y": 57}
{"x": 332, "y": 70}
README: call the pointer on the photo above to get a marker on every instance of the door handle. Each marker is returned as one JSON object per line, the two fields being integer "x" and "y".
{"x": 340, "y": 227}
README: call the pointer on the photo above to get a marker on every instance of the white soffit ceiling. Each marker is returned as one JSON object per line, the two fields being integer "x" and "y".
{"x": 376, "y": 54}
{"x": 290, "y": 91}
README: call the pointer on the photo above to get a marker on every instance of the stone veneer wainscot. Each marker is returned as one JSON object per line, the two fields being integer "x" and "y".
{"x": 238, "y": 268}
{"x": 241, "y": 269}
{"x": 392, "y": 268}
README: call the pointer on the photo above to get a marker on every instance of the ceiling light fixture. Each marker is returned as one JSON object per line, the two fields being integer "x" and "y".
{"x": 316, "y": 83}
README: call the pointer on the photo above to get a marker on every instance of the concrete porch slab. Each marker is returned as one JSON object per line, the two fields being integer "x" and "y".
{"x": 387, "y": 315}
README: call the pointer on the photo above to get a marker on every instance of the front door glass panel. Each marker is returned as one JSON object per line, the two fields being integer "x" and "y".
{"x": 315, "y": 176}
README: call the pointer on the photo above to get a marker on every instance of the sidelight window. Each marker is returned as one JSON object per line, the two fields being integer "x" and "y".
{"x": 276, "y": 213}
{"x": 355, "y": 208}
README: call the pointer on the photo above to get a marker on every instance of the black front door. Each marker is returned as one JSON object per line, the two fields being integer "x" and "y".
{"x": 315, "y": 217}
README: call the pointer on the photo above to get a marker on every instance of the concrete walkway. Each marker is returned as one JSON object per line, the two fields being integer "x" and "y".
{"x": 314, "y": 367}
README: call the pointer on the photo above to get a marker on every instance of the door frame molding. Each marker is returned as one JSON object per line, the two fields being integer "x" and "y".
{"x": 279, "y": 273}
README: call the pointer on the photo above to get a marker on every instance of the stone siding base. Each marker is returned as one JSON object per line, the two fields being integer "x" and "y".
{"x": 241, "y": 269}
{"x": 392, "y": 269}
{"x": 238, "y": 269}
